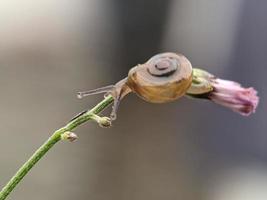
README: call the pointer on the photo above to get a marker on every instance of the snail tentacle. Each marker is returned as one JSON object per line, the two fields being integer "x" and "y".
{"x": 117, "y": 91}
{"x": 105, "y": 89}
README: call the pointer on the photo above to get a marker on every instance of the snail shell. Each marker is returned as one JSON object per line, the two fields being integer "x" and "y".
{"x": 163, "y": 78}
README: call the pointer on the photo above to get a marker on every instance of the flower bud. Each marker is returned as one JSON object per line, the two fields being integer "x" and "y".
{"x": 226, "y": 93}
{"x": 232, "y": 95}
{"x": 69, "y": 136}
{"x": 104, "y": 122}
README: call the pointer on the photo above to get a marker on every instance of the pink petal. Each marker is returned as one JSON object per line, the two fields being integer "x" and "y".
{"x": 232, "y": 95}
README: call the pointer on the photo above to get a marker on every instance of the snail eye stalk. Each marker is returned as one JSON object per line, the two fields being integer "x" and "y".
{"x": 105, "y": 89}
{"x": 117, "y": 91}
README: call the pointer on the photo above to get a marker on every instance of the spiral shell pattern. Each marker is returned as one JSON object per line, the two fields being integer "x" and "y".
{"x": 160, "y": 67}
{"x": 163, "y": 78}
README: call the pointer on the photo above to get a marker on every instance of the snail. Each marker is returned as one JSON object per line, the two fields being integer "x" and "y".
{"x": 163, "y": 78}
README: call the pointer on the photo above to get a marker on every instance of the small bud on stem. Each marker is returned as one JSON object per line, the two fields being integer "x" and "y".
{"x": 69, "y": 136}
{"x": 104, "y": 122}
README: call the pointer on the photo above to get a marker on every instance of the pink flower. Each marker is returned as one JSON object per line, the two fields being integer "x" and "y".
{"x": 232, "y": 95}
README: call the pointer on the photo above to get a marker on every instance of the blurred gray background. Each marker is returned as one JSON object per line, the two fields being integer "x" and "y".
{"x": 189, "y": 149}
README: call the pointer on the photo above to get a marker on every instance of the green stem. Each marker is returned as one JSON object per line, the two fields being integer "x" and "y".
{"x": 80, "y": 119}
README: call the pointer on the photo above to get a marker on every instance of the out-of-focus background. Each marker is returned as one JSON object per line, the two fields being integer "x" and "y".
{"x": 189, "y": 149}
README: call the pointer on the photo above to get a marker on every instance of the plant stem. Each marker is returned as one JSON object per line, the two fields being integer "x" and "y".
{"x": 80, "y": 119}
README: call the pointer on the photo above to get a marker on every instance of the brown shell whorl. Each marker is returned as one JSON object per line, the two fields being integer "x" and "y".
{"x": 163, "y": 78}
{"x": 162, "y": 66}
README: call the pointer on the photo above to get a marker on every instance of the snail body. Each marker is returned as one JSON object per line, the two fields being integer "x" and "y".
{"x": 163, "y": 78}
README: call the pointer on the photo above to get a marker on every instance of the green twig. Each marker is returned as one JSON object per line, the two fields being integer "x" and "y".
{"x": 57, "y": 136}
